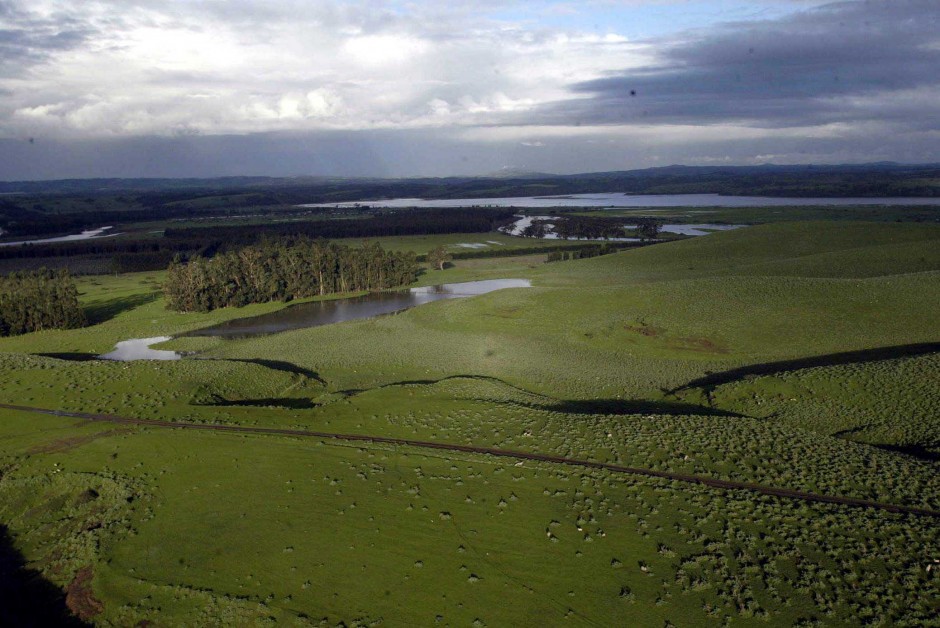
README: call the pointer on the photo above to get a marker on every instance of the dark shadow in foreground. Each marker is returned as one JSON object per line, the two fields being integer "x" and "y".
{"x": 291, "y": 403}
{"x": 927, "y": 453}
{"x": 101, "y": 311}
{"x": 831, "y": 359}
{"x": 623, "y": 406}
{"x": 72, "y": 357}
{"x": 277, "y": 365}
{"x": 916, "y": 451}
{"x": 26, "y": 598}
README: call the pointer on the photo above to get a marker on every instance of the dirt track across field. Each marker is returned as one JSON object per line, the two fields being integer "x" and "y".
{"x": 502, "y": 453}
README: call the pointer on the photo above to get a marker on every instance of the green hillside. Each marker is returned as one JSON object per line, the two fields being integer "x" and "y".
{"x": 790, "y": 356}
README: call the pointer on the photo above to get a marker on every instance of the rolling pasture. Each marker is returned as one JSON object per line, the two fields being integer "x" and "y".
{"x": 721, "y": 357}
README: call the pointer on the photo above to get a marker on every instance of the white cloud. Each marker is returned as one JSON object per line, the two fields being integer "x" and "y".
{"x": 385, "y": 51}
{"x": 251, "y": 66}
{"x": 490, "y": 78}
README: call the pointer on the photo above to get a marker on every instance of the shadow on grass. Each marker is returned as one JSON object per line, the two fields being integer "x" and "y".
{"x": 26, "y": 598}
{"x": 918, "y": 451}
{"x": 915, "y": 451}
{"x": 831, "y": 359}
{"x": 621, "y": 406}
{"x": 101, "y": 311}
{"x": 290, "y": 403}
{"x": 573, "y": 406}
{"x": 278, "y": 365}
{"x": 72, "y": 357}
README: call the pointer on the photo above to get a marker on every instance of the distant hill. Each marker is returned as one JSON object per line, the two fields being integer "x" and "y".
{"x": 869, "y": 180}
{"x": 518, "y": 173}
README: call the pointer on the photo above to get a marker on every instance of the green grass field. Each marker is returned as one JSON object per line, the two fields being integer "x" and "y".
{"x": 763, "y": 215}
{"x": 598, "y": 361}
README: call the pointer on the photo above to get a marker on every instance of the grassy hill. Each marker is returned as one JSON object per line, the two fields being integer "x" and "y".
{"x": 606, "y": 359}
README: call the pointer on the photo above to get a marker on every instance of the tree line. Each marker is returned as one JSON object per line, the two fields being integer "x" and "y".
{"x": 130, "y": 255}
{"x": 583, "y": 253}
{"x": 33, "y": 301}
{"x": 398, "y": 223}
{"x": 277, "y": 271}
{"x": 589, "y": 227}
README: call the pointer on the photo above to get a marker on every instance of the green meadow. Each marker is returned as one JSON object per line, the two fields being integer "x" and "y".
{"x": 746, "y": 356}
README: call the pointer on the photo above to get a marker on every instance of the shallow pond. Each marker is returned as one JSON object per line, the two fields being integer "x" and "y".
{"x": 328, "y": 312}
{"x": 139, "y": 349}
{"x": 315, "y": 314}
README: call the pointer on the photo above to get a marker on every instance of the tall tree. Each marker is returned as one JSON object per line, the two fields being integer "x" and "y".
{"x": 648, "y": 228}
{"x": 439, "y": 256}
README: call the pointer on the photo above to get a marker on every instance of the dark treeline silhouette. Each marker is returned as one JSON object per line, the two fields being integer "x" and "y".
{"x": 35, "y": 216}
{"x": 35, "y": 222}
{"x": 582, "y": 253}
{"x": 411, "y": 222}
{"x": 33, "y": 301}
{"x": 276, "y": 271}
{"x": 117, "y": 255}
{"x": 210, "y": 238}
{"x": 589, "y": 227}
{"x": 648, "y": 228}
{"x": 96, "y": 247}
{"x": 563, "y": 247}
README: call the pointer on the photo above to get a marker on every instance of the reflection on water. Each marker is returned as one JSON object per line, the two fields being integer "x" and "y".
{"x": 315, "y": 314}
{"x": 698, "y": 230}
{"x": 139, "y": 349}
{"x": 626, "y": 200}
{"x": 328, "y": 312}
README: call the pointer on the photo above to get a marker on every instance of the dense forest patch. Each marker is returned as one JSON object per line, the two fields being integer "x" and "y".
{"x": 276, "y": 272}
{"x": 38, "y": 300}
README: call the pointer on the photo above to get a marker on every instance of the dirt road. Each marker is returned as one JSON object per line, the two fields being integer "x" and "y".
{"x": 502, "y": 453}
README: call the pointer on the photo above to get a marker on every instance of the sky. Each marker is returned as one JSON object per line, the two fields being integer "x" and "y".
{"x": 181, "y": 88}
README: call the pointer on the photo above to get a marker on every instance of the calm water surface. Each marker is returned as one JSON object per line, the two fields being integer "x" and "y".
{"x": 139, "y": 349}
{"x": 636, "y": 200}
{"x": 328, "y": 312}
{"x": 315, "y": 314}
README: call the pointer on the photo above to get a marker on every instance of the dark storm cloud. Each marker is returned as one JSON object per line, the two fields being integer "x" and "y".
{"x": 26, "y": 40}
{"x": 843, "y": 62}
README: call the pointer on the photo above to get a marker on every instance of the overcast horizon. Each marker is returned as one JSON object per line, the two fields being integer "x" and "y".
{"x": 397, "y": 89}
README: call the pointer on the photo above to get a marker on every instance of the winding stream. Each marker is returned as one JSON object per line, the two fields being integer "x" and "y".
{"x": 90, "y": 234}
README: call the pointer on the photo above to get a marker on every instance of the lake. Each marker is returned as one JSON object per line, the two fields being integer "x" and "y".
{"x": 637, "y": 200}
{"x": 315, "y": 314}
{"x": 319, "y": 313}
